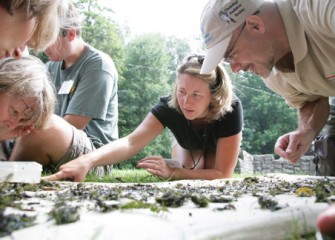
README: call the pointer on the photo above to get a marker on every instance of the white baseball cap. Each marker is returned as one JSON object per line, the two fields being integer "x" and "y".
{"x": 219, "y": 19}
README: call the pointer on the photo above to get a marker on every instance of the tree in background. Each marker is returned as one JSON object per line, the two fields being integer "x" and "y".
{"x": 148, "y": 62}
{"x": 102, "y": 32}
{"x": 177, "y": 49}
{"x": 266, "y": 114}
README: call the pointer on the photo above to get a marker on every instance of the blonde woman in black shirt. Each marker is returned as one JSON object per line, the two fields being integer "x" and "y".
{"x": 205, "y": 118}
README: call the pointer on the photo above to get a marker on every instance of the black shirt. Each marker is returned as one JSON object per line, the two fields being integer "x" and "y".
{"x": 230, "y": 124}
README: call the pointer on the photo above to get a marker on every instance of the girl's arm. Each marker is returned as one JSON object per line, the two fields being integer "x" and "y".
{"x": 224, "y": 162}
{"x": 114, "y": 152}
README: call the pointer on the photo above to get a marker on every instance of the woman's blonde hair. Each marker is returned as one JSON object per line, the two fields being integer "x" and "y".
{"x": 28, "y": 77}
{"x": 219, "y": 84}
{"x": 49, "y": 16}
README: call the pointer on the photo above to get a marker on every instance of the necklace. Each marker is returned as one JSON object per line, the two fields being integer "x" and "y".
{"x": 195, "y": 164}
{"x": 204, "y": 140}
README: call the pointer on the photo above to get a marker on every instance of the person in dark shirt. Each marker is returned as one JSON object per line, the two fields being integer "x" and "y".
{"x": 205, "y": 118}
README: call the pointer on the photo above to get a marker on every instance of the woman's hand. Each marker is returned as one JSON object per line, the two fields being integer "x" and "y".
{"x": 157, "y": 166}
{"x": 17, "y": 132}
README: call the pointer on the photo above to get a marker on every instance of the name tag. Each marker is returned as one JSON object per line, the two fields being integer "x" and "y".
{"x": 66, "y": 87}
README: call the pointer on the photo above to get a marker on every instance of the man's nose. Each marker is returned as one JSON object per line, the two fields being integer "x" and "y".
{"x": 19, "y": 52}
{"x": 235, "y": 67}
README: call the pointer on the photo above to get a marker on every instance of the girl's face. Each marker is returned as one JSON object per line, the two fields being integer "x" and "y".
{"x": 15, "y": 112}
{"x": 193, "y": 96}
{"x": 15, "y": 32}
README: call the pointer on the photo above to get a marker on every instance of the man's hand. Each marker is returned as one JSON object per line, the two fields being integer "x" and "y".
{"x": 293, "y": 145}
{"x": 312, "y": 117}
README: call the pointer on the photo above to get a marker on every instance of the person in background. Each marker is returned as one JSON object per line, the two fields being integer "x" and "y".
{"x": 27, "y": 105}
{"x": 205, "y": 118}
{"x": 86, "y": 82}
{"x": 290, "y": 44}
{"x": 32, "y": 23}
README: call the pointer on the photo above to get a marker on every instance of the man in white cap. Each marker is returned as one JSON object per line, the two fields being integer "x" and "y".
{"x": 291, "y": 45}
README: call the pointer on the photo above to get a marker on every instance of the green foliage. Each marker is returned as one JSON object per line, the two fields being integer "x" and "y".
{"x": 266, "y": 115}
{"x": 145, "y": 81}
{"x": 132, "y": 175}
{"x": 177, "y": 49}
{"x": 44, "y": 58}
{"x": 101, "y": 32}
{"x": 125, "y": 176}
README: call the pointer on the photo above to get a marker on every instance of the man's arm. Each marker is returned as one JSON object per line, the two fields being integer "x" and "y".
{"x": 312, "y": 117}
{"x": 80, "y": 122}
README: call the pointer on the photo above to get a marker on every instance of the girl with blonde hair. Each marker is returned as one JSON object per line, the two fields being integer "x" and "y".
{"x": 205, "y": 118}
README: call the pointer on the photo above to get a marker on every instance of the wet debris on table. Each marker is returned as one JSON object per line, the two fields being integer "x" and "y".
{"x": 251, "y": 180}
{"x": 143, "y": 205}
{"x": 304, "y": 192}
{"x": 103, "y": 206}
{"x": 221, "y": 198}
{"x": 171, "y": 199}
{"x": 280, "y": 187}
{"x": 324, "y": 191}
{"x": 12, "y": 222}
{"x": 200, "y": 200}
{"x": 268, "y": 202}
{"x": 71, "y": 198}
{"x": 228, "y": 206}
{"x": 65, "y": 214}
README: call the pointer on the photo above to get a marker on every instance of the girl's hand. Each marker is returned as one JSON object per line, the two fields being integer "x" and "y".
{"x": 17, "y": 132}
{"x": 157, "y": 166}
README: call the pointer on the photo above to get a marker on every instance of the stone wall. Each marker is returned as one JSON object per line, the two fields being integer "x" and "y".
{"x": 248, "y": 164}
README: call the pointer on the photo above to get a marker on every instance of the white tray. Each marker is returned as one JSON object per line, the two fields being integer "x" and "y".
{"x": 26, "y": 172}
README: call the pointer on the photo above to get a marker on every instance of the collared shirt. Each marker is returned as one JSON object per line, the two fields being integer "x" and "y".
{"x": 310, "y": 26}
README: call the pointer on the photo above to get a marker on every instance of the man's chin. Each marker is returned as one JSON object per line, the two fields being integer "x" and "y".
{"x": 265, "y": 74}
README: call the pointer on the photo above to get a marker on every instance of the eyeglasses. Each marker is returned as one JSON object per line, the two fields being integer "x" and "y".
{"x": 62, "y": 33}
{"x": 27, "y": 112}
{"x": 229, "y": 56}
{"x": 200, "y": 58}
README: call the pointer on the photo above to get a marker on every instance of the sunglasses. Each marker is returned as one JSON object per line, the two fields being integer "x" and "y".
{"x": 200, "y": 58}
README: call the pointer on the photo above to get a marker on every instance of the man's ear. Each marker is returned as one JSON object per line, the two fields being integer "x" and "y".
{"x": 71, "y": 33}
{"x": 255, "y": 23}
